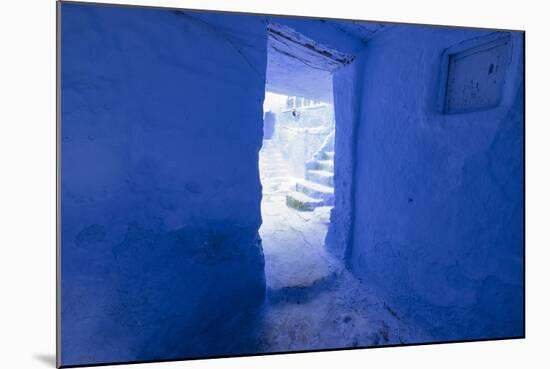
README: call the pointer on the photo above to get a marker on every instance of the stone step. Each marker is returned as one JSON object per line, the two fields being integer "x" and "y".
{"x": 273, "y": 161}
{"x": 327, "y": 165}
{"x": 275, "y": 173}
{"x": 322, "y": 177}
{"x": 316, "y": 190}
{"x": 329, "y": 155}
{"x": 302, "y": 202}
{"x": 277, "y": 179}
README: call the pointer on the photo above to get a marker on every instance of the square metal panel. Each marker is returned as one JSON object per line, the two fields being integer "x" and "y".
{"x": 476, "y": 77}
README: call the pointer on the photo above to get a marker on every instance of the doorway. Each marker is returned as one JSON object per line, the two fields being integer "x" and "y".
{"x": 296, "y": 170}
{"x": 313, "y": 301}
{"x": 296, "y": 166}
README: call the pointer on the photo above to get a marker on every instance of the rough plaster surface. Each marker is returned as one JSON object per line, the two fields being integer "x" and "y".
{"x": 295, "y": 70}
{"x": 299, "y": 66}
{"x": 342, "y": 312}
{"x": 347, "y": 105}
{"x": 161, "y": 125}
{"x": 438, "y": 220}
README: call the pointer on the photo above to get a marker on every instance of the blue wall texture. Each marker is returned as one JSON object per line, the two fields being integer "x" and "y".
{"x": 348, "y": 89}
{"x": 161, "y": 124}
{"x": 438, "y": 203}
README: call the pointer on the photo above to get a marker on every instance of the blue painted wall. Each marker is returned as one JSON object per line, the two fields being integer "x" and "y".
{"x": 438, "y": 198}
{"x": 348, "y": 92}
{"x": 161, "y": 124}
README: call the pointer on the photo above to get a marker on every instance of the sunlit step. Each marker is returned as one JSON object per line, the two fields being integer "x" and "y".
{"x": 329, "y": 155}
{"x": 327, "y": 165}
{"x": 316, "y": 190}
{"x": 322, "y": 177}
{"x": 275, "y": 173}
{"x": 302, "y": 202}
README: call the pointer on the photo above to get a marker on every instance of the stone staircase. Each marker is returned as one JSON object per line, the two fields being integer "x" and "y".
{"x": 317, "y": 189}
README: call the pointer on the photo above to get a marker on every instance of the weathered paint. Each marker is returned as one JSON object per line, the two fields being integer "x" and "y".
{"x": 161, "y": 125}
{"x": 438, "y": 198}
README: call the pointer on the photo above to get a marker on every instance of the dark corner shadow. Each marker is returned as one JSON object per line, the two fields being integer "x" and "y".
{"x": 48, "y": 359}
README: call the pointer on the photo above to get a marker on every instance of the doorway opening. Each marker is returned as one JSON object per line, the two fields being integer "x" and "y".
{"x": 313, "y": 301}
{"x": 296, "y": 165}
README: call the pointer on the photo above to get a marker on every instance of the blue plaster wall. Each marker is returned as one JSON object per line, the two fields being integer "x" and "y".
{"x": 438, "y": 198}
{"x": 348, "y": 92}
{"x": 161, "y": 124}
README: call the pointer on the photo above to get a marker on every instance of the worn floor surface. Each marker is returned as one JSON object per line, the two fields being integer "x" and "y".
{"x": 313, "y": 302}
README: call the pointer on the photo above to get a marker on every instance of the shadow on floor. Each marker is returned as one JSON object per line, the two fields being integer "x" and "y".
{"x": 47, "y": 359}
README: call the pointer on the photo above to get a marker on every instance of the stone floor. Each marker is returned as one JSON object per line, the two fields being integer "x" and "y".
{"x": 313, "y": 302}
{"x": 292, "y": 240}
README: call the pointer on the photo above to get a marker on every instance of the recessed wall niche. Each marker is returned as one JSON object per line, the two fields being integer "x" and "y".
{"x": 476, "y": 75}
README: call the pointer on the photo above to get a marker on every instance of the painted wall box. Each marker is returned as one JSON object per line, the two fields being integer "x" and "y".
{"x": 471, "y": 87}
